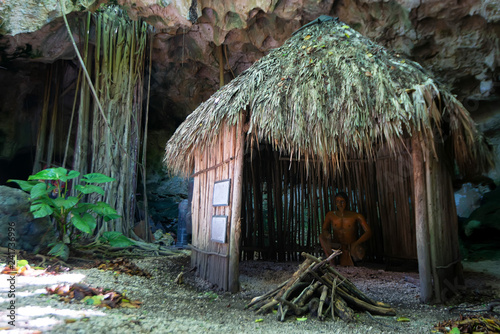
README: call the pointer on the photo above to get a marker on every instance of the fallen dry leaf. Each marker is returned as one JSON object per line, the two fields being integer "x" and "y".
{"x": 92, "y": 296}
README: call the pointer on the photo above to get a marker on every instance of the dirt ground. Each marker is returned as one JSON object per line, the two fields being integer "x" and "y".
{"x": 195, "y": 306}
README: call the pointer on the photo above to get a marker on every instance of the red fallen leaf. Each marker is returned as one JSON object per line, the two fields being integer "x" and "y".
{"x": 8, "y": 271}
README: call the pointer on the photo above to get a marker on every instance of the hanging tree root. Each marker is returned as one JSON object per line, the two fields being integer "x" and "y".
{"x": 138, "y": 250}
{"x": 318, "y": 289}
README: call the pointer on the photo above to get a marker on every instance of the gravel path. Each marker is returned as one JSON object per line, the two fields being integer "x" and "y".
{"x": 194, "y": 307}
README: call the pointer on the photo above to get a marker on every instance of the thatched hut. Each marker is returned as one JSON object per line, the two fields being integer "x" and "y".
{"x": 329, "y": 110}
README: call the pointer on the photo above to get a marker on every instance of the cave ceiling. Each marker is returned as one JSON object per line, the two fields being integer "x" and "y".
{"x": 457, "y": 40}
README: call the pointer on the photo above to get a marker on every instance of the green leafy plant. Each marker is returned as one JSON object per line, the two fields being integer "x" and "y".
{"x": 116, "y": 239}
{"x": 49, "y": 197}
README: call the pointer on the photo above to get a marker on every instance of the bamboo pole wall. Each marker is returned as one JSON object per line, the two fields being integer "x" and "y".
{"x": 395, "y": 193}
{"x": 358, "y": 178}
{"x": 285, "y": 204}
{"x": 443, "y": 230}
{"x": 209, "y": 257}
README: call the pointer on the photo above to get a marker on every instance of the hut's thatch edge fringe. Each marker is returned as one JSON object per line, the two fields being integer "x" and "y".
{"x": 328, "y": 93}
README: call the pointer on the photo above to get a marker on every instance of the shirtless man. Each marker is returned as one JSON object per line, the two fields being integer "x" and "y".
{"x": 343, "y": 223}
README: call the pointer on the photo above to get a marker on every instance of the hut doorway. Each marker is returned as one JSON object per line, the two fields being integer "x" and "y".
{"x": 285, "y": 202}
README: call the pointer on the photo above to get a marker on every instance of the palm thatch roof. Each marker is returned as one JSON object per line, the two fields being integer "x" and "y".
{"x": 329, "y": 93}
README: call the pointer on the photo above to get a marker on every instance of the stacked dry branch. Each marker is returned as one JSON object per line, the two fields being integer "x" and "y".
{"x": 312, "y": 288}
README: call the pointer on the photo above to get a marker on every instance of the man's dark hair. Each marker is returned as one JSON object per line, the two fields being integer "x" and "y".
{"x": 344, "y": 196}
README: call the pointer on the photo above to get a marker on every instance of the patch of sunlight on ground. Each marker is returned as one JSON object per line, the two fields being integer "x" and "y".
{"x": 21, "y": 281}
{"x": 46, "y": 317}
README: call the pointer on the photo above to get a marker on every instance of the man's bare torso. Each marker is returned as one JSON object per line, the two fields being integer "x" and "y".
{"x": 344, "y": 226}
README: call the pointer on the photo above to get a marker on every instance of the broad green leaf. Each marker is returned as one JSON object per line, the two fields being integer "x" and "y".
{"x": 41, "y": 210}
{"x": 111, "y": 217}
{"x": 66, "y": 203}
{"x": 82, "y": 207}
{"x": 301, "y": 319}
{"x": 102, "y": 208}
{"x": 85, "y": 223}
{"x": 121, "y": 241}
{"x": 39, "y": 190}
{"x": 89, "y": 189}
{"x": 46, "y": 200}
{"x": 94, "y": 300}
{"x": 455, "y": 330}
{"x": 98, "y": 299}
{"x": 59, "y": 173}
{"x": 116, "y": 239}
{"x": 22, "y": 263}
{"x": 72, "y": 174}
{"x": 25, "y": 185}
{"x": 96, "y": 178}
{"x": 60, "y": 250}
{"x": 109, "y": 235}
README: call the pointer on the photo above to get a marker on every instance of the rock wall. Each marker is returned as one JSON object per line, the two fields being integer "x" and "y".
{"x": 457, "y": 40}
{"x": 30, "y": 234}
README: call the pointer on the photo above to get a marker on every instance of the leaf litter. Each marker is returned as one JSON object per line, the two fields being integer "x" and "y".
{"x": 122, "y": 266}
{"x": 470, "y": 324}
{"x": 92, "y": 296}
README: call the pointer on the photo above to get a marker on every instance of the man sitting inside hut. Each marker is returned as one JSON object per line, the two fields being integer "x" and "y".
{"x": 343, "y": 223}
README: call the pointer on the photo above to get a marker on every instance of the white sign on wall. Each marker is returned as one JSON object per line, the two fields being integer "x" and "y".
{"x": 221, "y": 192}
{"x": 219, "y": 224}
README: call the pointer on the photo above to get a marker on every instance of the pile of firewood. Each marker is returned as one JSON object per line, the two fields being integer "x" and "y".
{"x": 318, "y": 289}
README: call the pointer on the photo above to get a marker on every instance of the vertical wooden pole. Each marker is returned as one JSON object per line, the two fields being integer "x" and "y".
{"x": 221, "y": 65}
{"x": 422, "y": 230}
{"x": 235, "y": 232}
{"x": 271, "y": 199}
{"x": 433, "y": 200}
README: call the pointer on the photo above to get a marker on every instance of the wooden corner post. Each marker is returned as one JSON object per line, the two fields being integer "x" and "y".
{"x": 422, "y": 230}
{"x": 235, "y": 231}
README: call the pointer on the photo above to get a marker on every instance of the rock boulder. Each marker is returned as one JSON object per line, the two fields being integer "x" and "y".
{"x": 32, "y": 234}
